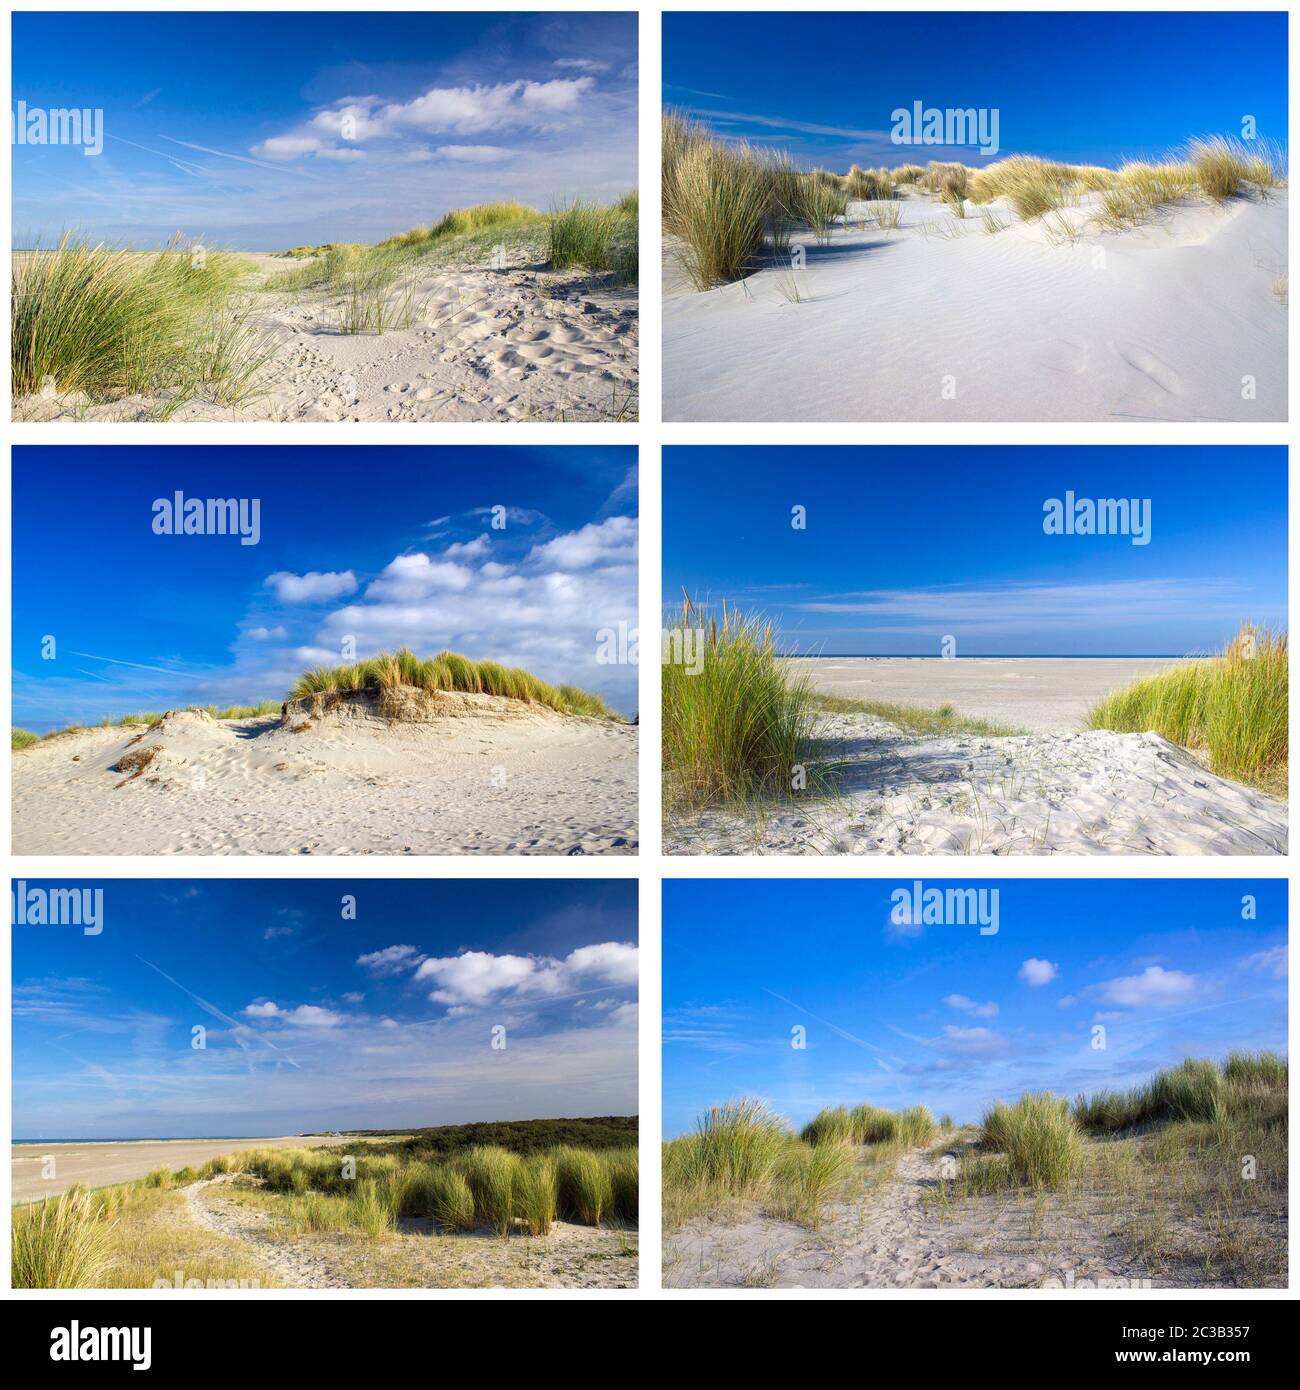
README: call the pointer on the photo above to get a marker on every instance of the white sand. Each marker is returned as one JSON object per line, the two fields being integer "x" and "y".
{"x": 100, "y": 1164}
{"x": 516, "y": 344}
{"x": 1158, "y": 323}
{"x": 1086, "y": 793}
{"x": 484, "y": 776}
{"x": 1035, "y": 694}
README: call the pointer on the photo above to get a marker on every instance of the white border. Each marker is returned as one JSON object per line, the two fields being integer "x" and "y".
{"x": 650, "y": 867}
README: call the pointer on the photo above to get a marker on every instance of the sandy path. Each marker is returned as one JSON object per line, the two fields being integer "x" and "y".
{"x": 1036, "y": 694}
{"x": 530, "y": 783}
{"x": 100, "y": 1164}
{"x": 898, "y": 1239}
{"x": 1088, "y": 793}
{"x": 1178, "y": 320}
{"x": 293, "y": 1265}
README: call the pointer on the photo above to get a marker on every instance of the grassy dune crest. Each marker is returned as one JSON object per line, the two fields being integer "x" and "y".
{"x": 449, "y": 671}
{"x": 1231, "y": 710}
{"x": 742, "y": 1152}
{"x": 730, "y": 205}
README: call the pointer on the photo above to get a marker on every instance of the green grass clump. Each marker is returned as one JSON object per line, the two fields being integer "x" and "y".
{"x": 1230, "y": 710}
{"x": 595, "y": 238}
{"x": 1247, "y": 1084}
{"x": 833, "y": 1125}
{"x": 22, "y": 738}
{"x": 1040, "y": 1137}
{"x": 491, "y": 1174}
{"x": 737, "y": 720}
{"x": 734, "y": 1147}
{"x": 449, "y": 671}
{"x": 60, "y": 1243}
{"x": 584, "y": 1184}
{"x": 451, "y": 1200}
{"x": 805, "y": 1179}
{"x": 108, "y": 322}
{"x": 717, "y": 199}
{"x": 536, "y": 1194}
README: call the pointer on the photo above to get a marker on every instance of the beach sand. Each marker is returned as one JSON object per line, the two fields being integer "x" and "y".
{"x": 520, "y": 343}
{"x": 1059, "y": 789}
{"x": 1036, "y": 694}
{"x": 1164, "y": 322}
{"x": 95, "y": 1164}
{"x": 485, "y": 775}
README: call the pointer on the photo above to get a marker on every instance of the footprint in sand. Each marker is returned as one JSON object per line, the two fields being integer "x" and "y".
{"x": 1069, "y": 356}
{"x": 1151, "y": 366}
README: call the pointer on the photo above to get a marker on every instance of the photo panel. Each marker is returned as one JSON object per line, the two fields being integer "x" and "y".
{"x": 975, "y": 1084}
{"x": 975, "y": 650}
{"x": 963, "y": 238}
{"x": 258, "y": 217}
{"x": 325, "y": 651}
{"x": 324, "y": 1084}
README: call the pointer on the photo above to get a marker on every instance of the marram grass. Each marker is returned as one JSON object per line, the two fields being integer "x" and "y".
{"x": 1230, "y": 710}
{"x": 737, "y": 720}
{"x": 452, "y": 672}
{"x": 105, "y": 322}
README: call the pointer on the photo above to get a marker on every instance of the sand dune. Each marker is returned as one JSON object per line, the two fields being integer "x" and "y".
{"x": 99, "y": 1164}
{"x": 445, "y": 774}
{"x": 1159, "y": 323}
{"x": 1084, "y": 793}
{"x": 515, "y": 344}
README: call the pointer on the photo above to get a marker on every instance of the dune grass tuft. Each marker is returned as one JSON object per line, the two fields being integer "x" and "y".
{"x": 1039, "y": 1136}
{"x": 1230, "y": 710}
{"x": 595, "y": 238}
{"x": 737, "y": 720}
{"x": 106, "y": 322}
{"x": 60, "y": 1243}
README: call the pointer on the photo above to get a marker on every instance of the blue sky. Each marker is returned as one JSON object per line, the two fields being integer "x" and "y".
{"x": 906, "y": 545}
{"x": 905, "y": 1014}
{"x": 824, "y": 86}
{"x": 232, "y": 126}
{"x": 319, "y": 1020}
{"x": 386, "y": 545}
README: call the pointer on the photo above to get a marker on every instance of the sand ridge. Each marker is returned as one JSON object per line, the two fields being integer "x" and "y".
{"x": 1095, "y": 792}
{"x": 1181, "y": 319}
{"x": 494, "y": 776}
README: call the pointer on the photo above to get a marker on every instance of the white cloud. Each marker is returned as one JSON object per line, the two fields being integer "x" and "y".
{"x": 267, "y": 634}
{"x": 1154, "y": 986}
{"x": 268, "y": 1008}
{"x": 1038, "y": 972}
{"x": 1271, "y": 962}
{"x": 312, "y": 587}
{"x": 474, "y": 978}
{"x": 549, "y": 610}
{"x": 392, "y": 960}
{"x": 971, "y": 1006}
{"x": 598, "y": 543}
{"x": 967, "y": 1034}
{"x": 313, "y": 1016}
